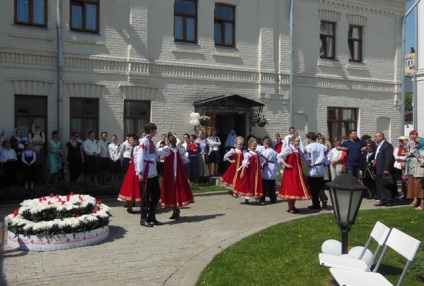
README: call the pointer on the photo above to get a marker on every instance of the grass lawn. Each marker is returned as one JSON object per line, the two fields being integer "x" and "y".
{"x": 287, "y": 254}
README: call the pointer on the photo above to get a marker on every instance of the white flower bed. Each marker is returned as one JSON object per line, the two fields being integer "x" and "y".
{"x": 54, "y": 216}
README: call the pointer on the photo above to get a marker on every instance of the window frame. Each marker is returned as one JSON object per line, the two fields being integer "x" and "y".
{"x": 30, "y": 16}
{"x": 84, "y": 130}
{"x": 352, "y": 41}
{"x": 324, "y": 45}
{"x": 31, "y": 118}
{"x": 186, "y": 16}
{"x": 84, "y": 13}
{"x": 223, "y": 29}
{"x": 341, "y": 123}
{"x": 137, "y": 129}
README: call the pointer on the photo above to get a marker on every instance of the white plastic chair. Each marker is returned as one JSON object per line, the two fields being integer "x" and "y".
{"x": 379, "y": 233}
{"x": 402, "y": 243}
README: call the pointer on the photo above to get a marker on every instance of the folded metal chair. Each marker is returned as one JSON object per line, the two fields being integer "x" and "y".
{"x": 400, "y": 242}
{"x": 379, "y": 233}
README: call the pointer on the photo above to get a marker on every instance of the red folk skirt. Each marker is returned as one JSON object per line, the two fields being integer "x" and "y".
{"x": 230, "y": 176}
{"x": 293, "y": 184}
{"x": 130, "y": 188}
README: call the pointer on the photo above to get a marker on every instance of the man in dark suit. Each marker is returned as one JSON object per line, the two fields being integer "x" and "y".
{"x": 384, "y": 166}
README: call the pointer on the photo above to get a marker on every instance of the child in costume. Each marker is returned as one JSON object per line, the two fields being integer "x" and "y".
{"x": 176, "y": 190}
{"x": 249, "y": 179}
{"x": 235, "y": 157}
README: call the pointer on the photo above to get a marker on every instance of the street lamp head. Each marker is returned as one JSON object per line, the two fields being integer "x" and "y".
{"x": 346, "y": 197}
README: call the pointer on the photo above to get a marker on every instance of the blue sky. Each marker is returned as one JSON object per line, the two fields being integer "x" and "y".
{"x": 410, "y": 28}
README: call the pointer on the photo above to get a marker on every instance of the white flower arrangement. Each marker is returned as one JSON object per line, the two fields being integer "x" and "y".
{"x": 204, "y": 120}
{"x": 58, "y": 215}
{"x": 262, "y": 121}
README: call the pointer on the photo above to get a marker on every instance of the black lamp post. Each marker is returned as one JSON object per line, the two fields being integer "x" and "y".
{"x": 346, "y": 197}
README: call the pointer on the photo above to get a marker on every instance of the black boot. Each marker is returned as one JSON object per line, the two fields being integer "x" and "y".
{"x": 175, "y": 214}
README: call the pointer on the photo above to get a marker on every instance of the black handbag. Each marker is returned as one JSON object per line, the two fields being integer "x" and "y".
{"x": 388, "y": 180}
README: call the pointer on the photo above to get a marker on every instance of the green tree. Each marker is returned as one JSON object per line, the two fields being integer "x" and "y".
{"x": 408, "y": 101}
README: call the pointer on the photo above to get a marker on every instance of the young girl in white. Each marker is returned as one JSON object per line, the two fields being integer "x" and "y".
{"x": 28, "y": 159}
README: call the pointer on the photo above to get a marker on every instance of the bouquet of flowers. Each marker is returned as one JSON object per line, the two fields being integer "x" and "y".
{"x": 58, "y": 215}
{"x": 204, "y": 120}
{"x": 262, "y": 121}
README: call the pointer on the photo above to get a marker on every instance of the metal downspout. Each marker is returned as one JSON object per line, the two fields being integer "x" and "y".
{"x": 59, "y": 68}
{"x": 402, "y": 111}
{"x": 291, "y": 95}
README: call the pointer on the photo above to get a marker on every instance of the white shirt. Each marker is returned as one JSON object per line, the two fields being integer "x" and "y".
{"x": 231, "y": 152}
{"x": 91, "y": 147}
{"x": 104, "y": 150}
{"x": 114, "y": 151}
{"x": 269, "y": 164}
{"x": 214, "y": 142}
{"x": 316, "y": 155}
{"x": 125, "y": 150}
{"x": 147, "y": 155}
{"x": 7, "y": 154}
{"x": 29, "y": 153}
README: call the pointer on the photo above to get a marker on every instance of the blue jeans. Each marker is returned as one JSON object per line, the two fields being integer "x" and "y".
{"x": 353, "y": 170}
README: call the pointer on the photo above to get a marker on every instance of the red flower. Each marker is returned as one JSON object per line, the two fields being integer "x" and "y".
{"x": 72, "y": 193}
{"x": 77, "y": 216}
{"x": 63, "y": 202}
{"x": 40, "y": 199}
{"x": 99, "y": 202}
{"x": 44, "y": 199}
{"x": 51, "y": 195}
{"x": 49, "y": 203}
{"x": 94, "y": 211}
{"x": 15, "y": 212}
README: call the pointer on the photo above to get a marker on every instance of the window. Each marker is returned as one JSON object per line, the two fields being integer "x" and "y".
{"x": 28, "y": 110}
{"x": 136, "y": 116}
{"x": 31, "y": 12}
{"x": 340, "y": 120}
{"x": 84, "y": 115}
{"x": 185, "y": 21}
{"x": 85, "y": 15}
{"x": 328, "y": 40}
{"x": 355, "y": 43}
{"x": 224, "y": 25}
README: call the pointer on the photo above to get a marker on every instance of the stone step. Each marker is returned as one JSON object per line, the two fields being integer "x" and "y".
{"x": 216, "y": 181}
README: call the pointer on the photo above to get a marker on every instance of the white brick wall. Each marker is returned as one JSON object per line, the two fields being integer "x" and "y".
{"x": 141, "y": 33}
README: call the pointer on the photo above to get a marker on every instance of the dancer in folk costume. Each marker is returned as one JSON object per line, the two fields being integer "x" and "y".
{"x": 269, "y": 171}
{"x": 176, "y": 190}
{"x": 235, "y": 157}
{"x": 130, "y": 188}
{"x": 293, "y": 184}
{"x": 249, "y": 179}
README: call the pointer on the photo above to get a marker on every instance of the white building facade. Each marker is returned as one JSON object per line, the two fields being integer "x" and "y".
{"x": 129, "y": 62}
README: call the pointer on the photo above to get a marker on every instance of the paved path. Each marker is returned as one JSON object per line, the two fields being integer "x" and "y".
{"x": 172, "y": 254}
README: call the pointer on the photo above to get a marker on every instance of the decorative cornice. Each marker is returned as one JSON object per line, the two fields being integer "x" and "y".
{"x": 356, "y": 20}
{"x": 138, "y": 92}
{"x": 139, "y": 73}
{"x": 230, "y": 2}
{"x": 31, "y": 86}
{"x": 83, "y": 89}
{"x": 356, "y": 8}
{"x": 328, "y": 15}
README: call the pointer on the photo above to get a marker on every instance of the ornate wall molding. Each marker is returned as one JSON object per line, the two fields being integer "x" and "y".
{"x": 138, "y": 92}
{"x": 29, "y": 58}
{"x": 83, "y": 89}
{"x": 230, "y": 2}
{"x": 31, "y": 86}
{"x": 328, "y": 15}
{"x": 357, "y": 20}
{"x": 352, "y": 7}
